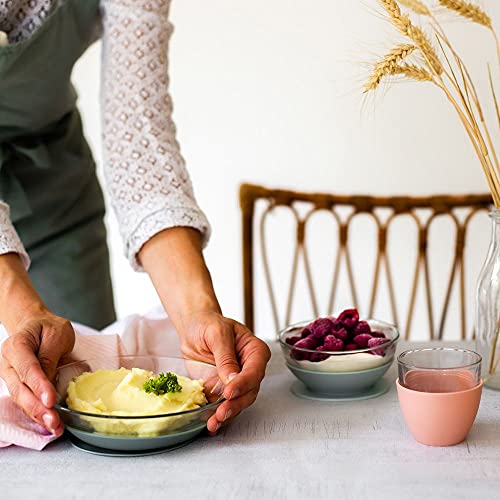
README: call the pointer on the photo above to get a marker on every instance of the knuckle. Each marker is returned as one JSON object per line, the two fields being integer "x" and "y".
{"x": 7, "y": 347}
{"x": 250, "y": 401}
{"x": 266, "y": 351}
{"x": 15, "y": 391}
{"x": 25, "y": 371}
{"x": 21, "y": 341}
{"x": 185, "y": 350}
{"x": 213, "y": 332}
{"x": 45, "y": 362}
{"x": 34, "y": 382}
{"x": 28, "y": 331}
{"x": 66, "y": 327}
{"x": 34, "y": 410}
{"x": 60, "y": 334}
{"x": 226, "y": 359}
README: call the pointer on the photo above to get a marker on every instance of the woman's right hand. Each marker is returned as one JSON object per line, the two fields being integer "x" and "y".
{"x": 29, "y": 361}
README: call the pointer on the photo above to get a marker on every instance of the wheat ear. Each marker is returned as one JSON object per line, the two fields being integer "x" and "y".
{"x": 387, "y": 64}
{"x": 468, "y": 10}
{"x": 421, "y": 40}
{"x": 416, "y": 6}
{"x": 414, "y": 33}
{"x": 413, "y": 72}
{"x": 473, "y": 13}
{"x": 402, "y": 22}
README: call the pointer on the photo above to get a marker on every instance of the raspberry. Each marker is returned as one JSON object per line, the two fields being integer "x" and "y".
{"x": 379, "y": 335}
{"x": 332, "y": 343}
{"x": 321, "y": 327}
{"x": 315, "y": 357}
{"x": 310, "y": 342}
{"x": 351, "y": 347}
{"x": 362, "y": 339}
{"x": 348, "y": 318}
{"x": 362, "y": 327}
{"x": 373, "y": 342}
{"x": 305, "y": 332}
{"x": 293, "y": 340}
{"x": 299, "y": 355}
{"x": 341, "y": 334}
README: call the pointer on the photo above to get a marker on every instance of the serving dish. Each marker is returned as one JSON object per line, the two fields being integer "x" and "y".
{"x": 340, "y": 374}
{"x": 125, "y": 433}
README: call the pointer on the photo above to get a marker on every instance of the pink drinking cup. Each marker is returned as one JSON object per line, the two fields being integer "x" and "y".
{"x": 439, "y": 393}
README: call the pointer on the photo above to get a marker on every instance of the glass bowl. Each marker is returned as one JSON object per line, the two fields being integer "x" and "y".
{"x": 340, "y": 373}
{"x": 139, "y": 433}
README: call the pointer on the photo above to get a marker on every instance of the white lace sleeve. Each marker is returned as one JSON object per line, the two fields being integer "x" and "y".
{"x": 146, "y": 175}
{"x": 9, "y": 239}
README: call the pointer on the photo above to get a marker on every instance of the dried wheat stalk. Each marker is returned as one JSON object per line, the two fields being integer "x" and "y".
{"x": 450, "y": 74}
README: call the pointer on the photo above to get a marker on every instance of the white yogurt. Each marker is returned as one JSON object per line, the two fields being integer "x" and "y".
{"x": 345, "y": 362}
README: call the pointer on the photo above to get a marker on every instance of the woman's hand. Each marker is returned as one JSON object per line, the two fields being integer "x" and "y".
{"x": 37, "y": 340}
{"x": 240, "y": 357}
{"x": 174, "y": 261}
{"x": 28, "y": 365}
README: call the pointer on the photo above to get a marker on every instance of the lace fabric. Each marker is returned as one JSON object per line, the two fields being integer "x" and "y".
{"x": 9, "y": 239}
{"x": 146, "y": 176}
{"x": 21, "y": 18}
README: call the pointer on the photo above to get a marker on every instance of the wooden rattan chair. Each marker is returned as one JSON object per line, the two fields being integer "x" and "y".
{"x": 394, "y": 207}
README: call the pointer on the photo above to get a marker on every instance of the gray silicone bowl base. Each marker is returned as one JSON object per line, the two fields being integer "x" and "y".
{"x": 378, "y": 389}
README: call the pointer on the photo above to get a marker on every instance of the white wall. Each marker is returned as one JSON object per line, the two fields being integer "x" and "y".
{"x": 270, "y": 92}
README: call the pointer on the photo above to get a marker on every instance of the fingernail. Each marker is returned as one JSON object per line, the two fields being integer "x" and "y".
{"x": 217, "y": 427}
{"x": 228, "y": 414}
{"x": 47, "y": 420}
{"x": 45, "y": 399}
{"x": 231, "y": 377}
{"x": 218, "y": 388}
{"x": 234, "y": 394}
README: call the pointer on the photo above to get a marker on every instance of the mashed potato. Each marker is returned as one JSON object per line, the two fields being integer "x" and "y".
{"x": 120, "y": 392}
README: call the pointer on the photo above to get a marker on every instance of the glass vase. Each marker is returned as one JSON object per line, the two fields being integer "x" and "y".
{"x": 488, "y": 308}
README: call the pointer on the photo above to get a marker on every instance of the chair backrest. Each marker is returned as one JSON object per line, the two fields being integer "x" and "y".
{"x": 422, "y": 211}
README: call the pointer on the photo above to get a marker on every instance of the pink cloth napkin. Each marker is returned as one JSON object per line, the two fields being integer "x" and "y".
{"x": 152, "y": 334}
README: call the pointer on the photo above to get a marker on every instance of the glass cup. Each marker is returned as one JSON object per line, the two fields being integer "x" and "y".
{"x": 439, "y": 392}
{"x": 441, "y": 369}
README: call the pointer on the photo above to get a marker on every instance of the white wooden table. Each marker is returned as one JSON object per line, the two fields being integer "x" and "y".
{"x": 281, "y": 448}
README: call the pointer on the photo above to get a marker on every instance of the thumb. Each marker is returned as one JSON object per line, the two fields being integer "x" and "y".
{"x": 224, "y": 352}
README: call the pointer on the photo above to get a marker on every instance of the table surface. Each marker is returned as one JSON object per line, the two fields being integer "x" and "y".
{"x": 280, "y": 448}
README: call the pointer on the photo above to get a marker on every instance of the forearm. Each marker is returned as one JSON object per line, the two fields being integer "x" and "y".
{"x": 18, "y": 297}
{"x": 174, "y": 260}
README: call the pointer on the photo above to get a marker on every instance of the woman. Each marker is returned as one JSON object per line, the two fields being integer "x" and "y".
{"x": 51, "y": 209}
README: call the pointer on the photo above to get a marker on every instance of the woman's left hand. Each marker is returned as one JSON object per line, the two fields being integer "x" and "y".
{"x": 174, "y": 261}
{"x": 240, "y": 357}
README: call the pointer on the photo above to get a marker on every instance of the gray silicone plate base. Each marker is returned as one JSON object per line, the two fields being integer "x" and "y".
{"x": 136, "y": 444}
{"x": 94, "y": 450}
{"x": 378, "y": 389}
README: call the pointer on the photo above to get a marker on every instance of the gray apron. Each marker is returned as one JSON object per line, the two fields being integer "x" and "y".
{"x": 47, "y": 174}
